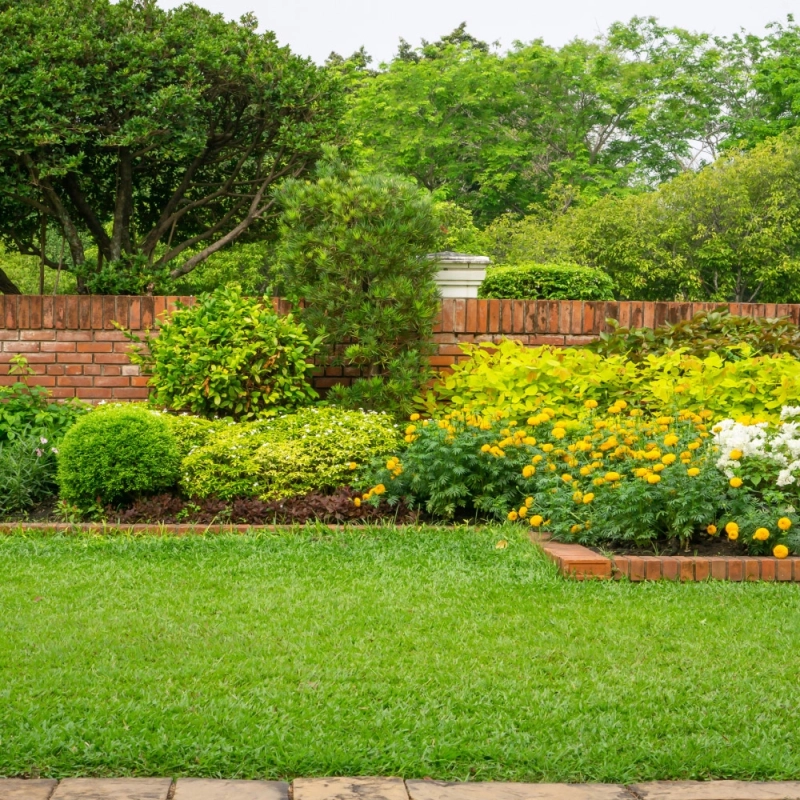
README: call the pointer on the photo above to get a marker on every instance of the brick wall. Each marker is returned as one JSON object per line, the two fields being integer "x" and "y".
{"x": 76, "y": 351}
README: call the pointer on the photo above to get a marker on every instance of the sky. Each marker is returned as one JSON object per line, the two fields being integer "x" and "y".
{"x": 316, "y": 27}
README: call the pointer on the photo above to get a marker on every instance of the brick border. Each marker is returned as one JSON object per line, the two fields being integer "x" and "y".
{"x": 580, "y": 563}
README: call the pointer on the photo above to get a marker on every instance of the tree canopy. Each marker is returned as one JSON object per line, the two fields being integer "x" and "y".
{"x": 152, "y": 137}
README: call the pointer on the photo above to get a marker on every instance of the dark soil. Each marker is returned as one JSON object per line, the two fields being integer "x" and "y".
{"x": 708, "y": 546}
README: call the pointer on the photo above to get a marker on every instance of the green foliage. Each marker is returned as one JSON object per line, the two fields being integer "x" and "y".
{"x": 156, "y": 135}
{"x": 31, "y": 409}
{"x": 191, "y": 432}
{"x": 312, "y": 450}
{"x": 457, "y": 230}
{"x": 547, "y": 282}
{"x": 27, "y": 471}
{"x": 729, "y": 336}
{"x": 243, "y": 263}
{"x": 228, "y": 356}
{"x": 115, "y": 454}
{"x": 354, "y": 248}
{"x": 509, "y": 377}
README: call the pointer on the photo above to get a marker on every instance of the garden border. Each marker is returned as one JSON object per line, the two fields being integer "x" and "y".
{"x": 580, "y": 563}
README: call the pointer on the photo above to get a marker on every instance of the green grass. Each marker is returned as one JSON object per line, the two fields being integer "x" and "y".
{"x": 410, "y": 653}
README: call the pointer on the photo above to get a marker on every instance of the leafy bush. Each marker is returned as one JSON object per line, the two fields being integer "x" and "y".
{"x": 228, "y": 356}
{"x": 32, "y": 410}
{"x": 620, "y": 477}
{"x": 312, "y": 450}
{"x": 192, "y": 432}
{"x": 354, "y": 250}
{"x": 117, "y": 453}
{"x": 27, "y": 471}
{"x": 547, "y": 282}
{"x": 731, "y": 337}
{"x": 522, "y": 380}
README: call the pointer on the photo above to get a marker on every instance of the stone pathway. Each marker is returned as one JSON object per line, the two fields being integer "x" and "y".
{"x": 384, "y": 789}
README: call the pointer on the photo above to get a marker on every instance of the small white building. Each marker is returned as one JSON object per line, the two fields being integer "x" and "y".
{"x": 460, "y": 274}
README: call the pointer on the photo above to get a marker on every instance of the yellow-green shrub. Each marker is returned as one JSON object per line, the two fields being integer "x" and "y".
{"x": 312, "y": 450}
{"x": 511, "y": 378}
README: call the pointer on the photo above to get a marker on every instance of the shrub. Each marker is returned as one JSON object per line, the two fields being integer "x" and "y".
{"x": 313, "y": 450}
{"x": 31, "y": 410}
{"x": 27, "y": 471}
{"x": 228, "y": 356}
{"x": 547, "y": 282}
{"x": 731, "y": 337}
{"x": 522, "y": 380}
{"x": 117, "y": 453}
{"x": 192, "y": 432}
{"x": 354, "y": 249}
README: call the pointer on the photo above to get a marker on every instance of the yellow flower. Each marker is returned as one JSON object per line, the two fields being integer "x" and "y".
{"x": 761, "y": 535}
{"x": 668, "y": 459}
{"x": 536, "y": 520}
{"x": 664, "y": 421}
{"x": 391, "y": 464}
{"x": 528, "y": 501}
{"x": 548, "y": 448}
{"x": 575, "y": 529}
{"x": 784, "y": 523}
{"x": 357, "y": 502}
{"x": 653, "y": 479}
{"x": 640, "y": 472}
{"x": 693, "y": 445}
{"x": 523, "y": 512}
{"x": 566, "y": 477}
{"x": 379, "y": 489}
{"x": 659, "y": 467}
{"x": 486, "y": 448}
{"x": 598, "y": 481}
{"x": 353, "y": 465}
{"x": 711, "y": 529}
{"x": 735, "y": 482}
{"x": 536, "y": 459}
{"x": 529, "y": 440}
{"x": 414, "y": 417}
{"x": 409, "y": 438}
{"x": 585, "y": 471}
{"x": 588, "y": 497}
{"x": 577, "y": 497}
{"x": 558, "y": 433}
{"x": 501, "y": 545}
{"x": 780, "y": 551}
{"x": 590, "y": 404}
{"x": 732, "y": 529}
{"x": 693, "y": 472}
{"x": 513, "y": 516}
{"x": 735, "y": 455}
{"x": 621, "y": 404}
{"x": 528, "y": 471}
{"x": 611, "y": 477}
{"x": 670, "y": 439}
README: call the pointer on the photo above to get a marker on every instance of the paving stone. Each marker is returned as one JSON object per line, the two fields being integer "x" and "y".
{"x": 718, "y": 790}
{"x": 349, "y": 789}
{"x": 443, "y": 790}
{"x": 113, "y": 789}
{"x": 202, "y": 789}
{"x": 19, "y": 789}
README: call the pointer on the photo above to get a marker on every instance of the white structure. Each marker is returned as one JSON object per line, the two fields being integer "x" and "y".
{"x": 460, "y": 274}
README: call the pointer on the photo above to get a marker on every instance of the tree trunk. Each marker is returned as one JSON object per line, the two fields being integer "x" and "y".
{"x": 7, "y": 286}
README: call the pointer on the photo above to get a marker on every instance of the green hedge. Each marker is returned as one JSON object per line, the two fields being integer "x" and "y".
{"x": 547, "y": 282}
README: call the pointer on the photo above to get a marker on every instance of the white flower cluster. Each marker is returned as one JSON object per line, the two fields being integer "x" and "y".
{"x": 778, "y": 444}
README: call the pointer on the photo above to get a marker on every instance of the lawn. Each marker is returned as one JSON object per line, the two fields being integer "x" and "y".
{"x": 413, "y": 653}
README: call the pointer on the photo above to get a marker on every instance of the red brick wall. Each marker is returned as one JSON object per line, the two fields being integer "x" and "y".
{"x": 76, "y": 351}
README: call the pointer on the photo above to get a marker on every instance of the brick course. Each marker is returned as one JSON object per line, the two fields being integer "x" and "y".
{"x": 74, "y": 348}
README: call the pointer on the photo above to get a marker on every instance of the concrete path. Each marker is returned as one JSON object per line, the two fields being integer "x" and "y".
{"x": 384, "y": 789}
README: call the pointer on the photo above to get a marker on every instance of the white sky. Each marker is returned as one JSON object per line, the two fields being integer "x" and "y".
{"x": 315, "y": 27}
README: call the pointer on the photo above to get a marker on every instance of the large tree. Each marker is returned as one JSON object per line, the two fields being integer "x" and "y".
{"x": 153, "y": 138}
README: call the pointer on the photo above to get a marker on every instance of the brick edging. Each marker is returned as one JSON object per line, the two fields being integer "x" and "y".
{"x": 579, "y": 562}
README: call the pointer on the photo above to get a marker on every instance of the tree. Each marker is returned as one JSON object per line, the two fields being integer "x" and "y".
{"x": 154, "y": 136}
{"x": 353, "y": 248}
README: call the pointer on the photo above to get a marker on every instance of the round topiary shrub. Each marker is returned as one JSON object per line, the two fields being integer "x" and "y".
{"x": 116, "y": 453}
{"x": 547, "y": 282}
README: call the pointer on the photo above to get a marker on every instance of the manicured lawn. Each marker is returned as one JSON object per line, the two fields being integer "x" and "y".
{"x": 409, "y": 653}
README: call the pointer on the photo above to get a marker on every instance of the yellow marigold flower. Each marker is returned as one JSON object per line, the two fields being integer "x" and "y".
{"x": 670, "y": 439}
{"x": 379, "y": 489}
{"x": 577, "y": 496}
{"x": 353, "y": 465}
{"x": 566, "y": 477}
{"x": 357, "y": 502}
{"x": 513, "y": 516}
{"x": 409, "y": 438}
{"x": 528, "y": 471}
{"x": 761, "y": 534}
{"x": 590, "y": 404}
{"x": 414, "y": 417}
{"x": 735, "y": 482}
{"x": 537, "y": 459}
{"x": 558, "y": 433}
{"x": 706, "y": 414}
{"x": 732, "y": 529}
{"x": 548, "y": 448}
{"x": 486, "y": 448}
{"x": 523, "y": 512}
{"x": 536, "y": 520}
{"x": 735, "y": 455}
{"x": 784, "y": 523}
{"x": 611, "y": 477}
{"x": 659, "y": 467}
{"x": 585, "y": 471}
{"x": 614, "y": 410}
{"x": 653, "y": 479}
{"x": 693, "y": 445}
{"x": 780, "y": 551}
{"x": 588, "y": 497}
{"x": 685, "y": 454}
{"x": 664, "y": 421}
{"x": 528, "y": 501}
{"x": 551, "y": 467}
{"x": 391, "y": 463}
{"x": 693, "y": 472}
{"x": 621, "y": 404}
{"x": 668, "y": 459}
{"x": 599, "y": 481}
{"x": 575, "y": 529}
{"x": 530, "y": 441}
{"x": 640, "y": 472}
{"x": 711, "y": 529}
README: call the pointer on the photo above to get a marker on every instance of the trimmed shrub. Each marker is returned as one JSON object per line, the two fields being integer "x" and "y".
{"x": 115, "y": 454}
{"x": 228, "y": 356}
{"x": 313, "y": 450}
{"x": 547, "y": 282}
{"x": 192, "y": 432}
